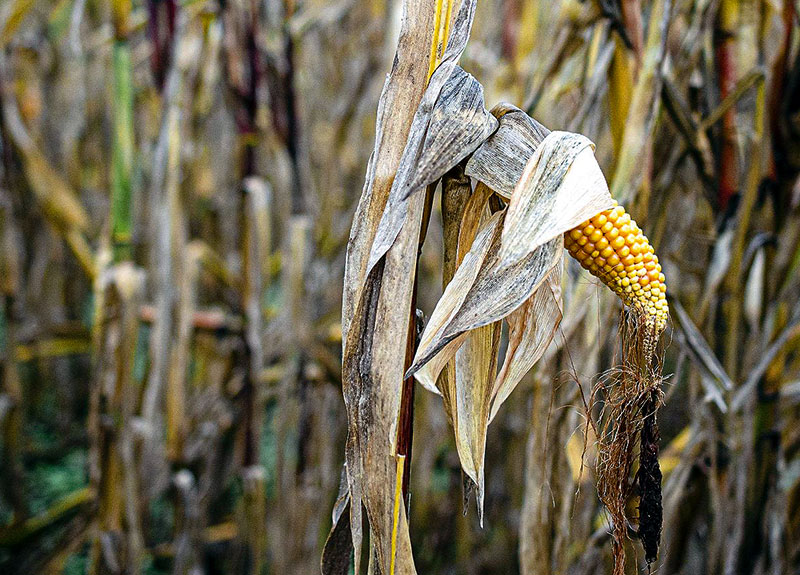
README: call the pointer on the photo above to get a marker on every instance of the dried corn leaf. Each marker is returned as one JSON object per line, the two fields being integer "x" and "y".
{"x": 401, "y": 94}
{"x": 531, "y": 328}
{"x": 500, "y": 288}
{"x": 501, "y": 159}
{"x": 456, "y": 194}
{"x": 450, "y": 123}
{"x": 493, "y": 294}
{"x": 644, "y": 103}
{"x": 517, "y": 252}
{"x": 57, "y": 199}
{"x": 377, "y": 303}
{"x": 475, "y": 369}
{"x": 562, "y": 186}
{"x": 475, "y": 216}
{"x": 466, "y": 382}
{"x": 451, "y": 302}
{"x": 715, "y": 379}
{"x": 339, "y": 544}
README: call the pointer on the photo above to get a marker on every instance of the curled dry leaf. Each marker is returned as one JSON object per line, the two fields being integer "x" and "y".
{"x": 456, "y": 198}
{"x": 714, "y": 378}
{"x": 466, "y": 382}
{"x": 562, "y": 186}
{"x": 451, "y": 302}
{"x": 511, "y": 272}
{"x": 500, "y": 160}
{"x": 450, "y": 123}
{"x": 475, "y": 370}
{"x": 531, "y": 327}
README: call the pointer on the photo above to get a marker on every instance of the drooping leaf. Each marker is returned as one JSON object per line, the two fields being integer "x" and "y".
{"x": 562, "y": 186}
{"x": 475, "y": 368}
{"x": 518, "y": 256}
{"x": 530, "y": 329}
{"x": 453, "y": 298}
{"x": 456, "y": 194}
{"x": 450, "y": 124}
{"x": 500, "y": 160}
{"x": 466, "y": 381}
{"x": 339, "y": 544}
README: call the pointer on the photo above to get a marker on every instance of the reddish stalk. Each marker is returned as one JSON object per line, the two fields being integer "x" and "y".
{"x": 161, "y": 29}
{"x": 405, "y": 429}
{"x": 780, "y": 172}
{"x": 725, "y": 53}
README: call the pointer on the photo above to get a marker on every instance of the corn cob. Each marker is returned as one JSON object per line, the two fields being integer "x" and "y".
{"x": 612, "y": 247}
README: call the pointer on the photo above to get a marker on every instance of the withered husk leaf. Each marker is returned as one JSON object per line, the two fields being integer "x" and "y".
{"x": 501, "y": 159}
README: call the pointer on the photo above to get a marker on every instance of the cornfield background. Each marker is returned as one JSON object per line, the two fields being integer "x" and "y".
{"x": 177, "y": 186}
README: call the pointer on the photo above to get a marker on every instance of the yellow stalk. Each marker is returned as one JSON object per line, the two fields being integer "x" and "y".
{"x": 446, "y": 33}
{"x": 434, "y": 57}
{"x": 398, "y": 494}
{"x": 620, "y": 88}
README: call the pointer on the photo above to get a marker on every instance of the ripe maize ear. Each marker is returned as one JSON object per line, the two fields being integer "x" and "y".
{"x": 613, "y": 248}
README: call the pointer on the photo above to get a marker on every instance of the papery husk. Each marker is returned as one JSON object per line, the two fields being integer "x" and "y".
{"x": 498, "y": 279}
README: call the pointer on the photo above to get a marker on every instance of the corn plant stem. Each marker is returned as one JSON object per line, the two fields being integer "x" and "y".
{"x": 165, "y": 180}
{"x": 12, "y": 469}
{"x": 12, "y": 472}
{"x": 778, "y": 86}
{"x": 510, "y": 33}
{"x": 18, "y": 534}
{"x": 620, "y": 88}
{"x": 736, "y": 275}
{"x": 161, "y": 56}
{"x": 405, "y": 426}
{"x": 725, "y": 53}
{"x": 632, "y": 21}
{"x": 406, "y": 423}
{"x": 112, "y": 475}
{"x": 123, "y": 151}
{"x": 123, "y": 144}
{"x": 247, "y": 97}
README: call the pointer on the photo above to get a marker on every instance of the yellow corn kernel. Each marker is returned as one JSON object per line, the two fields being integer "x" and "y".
{"x": 612, "y": 246}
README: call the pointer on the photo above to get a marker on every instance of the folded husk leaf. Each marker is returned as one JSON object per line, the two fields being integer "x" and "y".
{"x": 521, "y": 258}
{"x": 512, "y": 271}
{"x": 562, "y": 186}
{"x": 451, "y": 301}
{"x": 475, "y": 368}
{"x": 456, "y": 194}
{"x": 500, "y": 160}
{"x": 531, "y": 328}
{"x": 467, "y": 380}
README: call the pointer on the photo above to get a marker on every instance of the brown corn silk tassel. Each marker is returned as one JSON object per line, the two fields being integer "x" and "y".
{"x": 612, "y": 247}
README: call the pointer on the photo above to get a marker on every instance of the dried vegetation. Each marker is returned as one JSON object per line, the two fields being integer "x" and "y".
{"x": 186, "y": 303}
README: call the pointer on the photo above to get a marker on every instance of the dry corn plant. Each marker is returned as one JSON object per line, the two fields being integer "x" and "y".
{"x": 513, "y": 196}
{"x": 177, "y": 181}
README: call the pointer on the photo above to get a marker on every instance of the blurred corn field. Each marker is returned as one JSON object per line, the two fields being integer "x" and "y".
{"x": 178, "y": 183}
